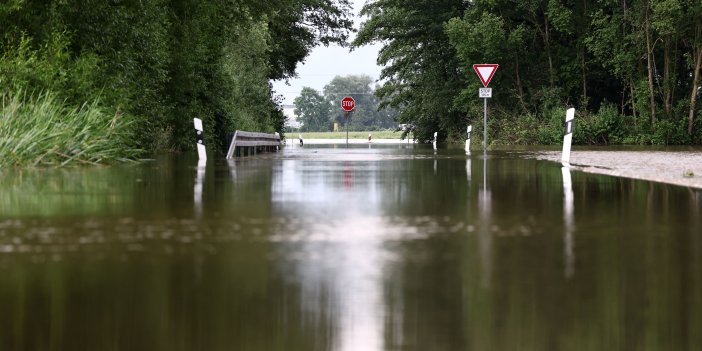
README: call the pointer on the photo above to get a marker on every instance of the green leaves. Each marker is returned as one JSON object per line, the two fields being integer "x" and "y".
{"x": 422, "y": 76}
{"x": 167, "y": 61}
{"x": 313, "y": 111}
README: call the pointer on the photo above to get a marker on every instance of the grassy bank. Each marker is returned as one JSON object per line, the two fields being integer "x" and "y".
{"x": 40, "y": 130}
{"x": 377, "y": 134}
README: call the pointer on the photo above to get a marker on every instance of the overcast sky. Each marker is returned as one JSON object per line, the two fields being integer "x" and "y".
{"x": 326, "y": 62}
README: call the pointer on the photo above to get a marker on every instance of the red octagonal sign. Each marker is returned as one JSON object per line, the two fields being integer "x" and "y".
{"x": 348, "y": 104}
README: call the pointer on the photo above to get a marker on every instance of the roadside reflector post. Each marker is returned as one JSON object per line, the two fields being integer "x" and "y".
{"x": 568, "y": 136}
{"x": 468, "y": 131}
{"x": 200, "y": 139}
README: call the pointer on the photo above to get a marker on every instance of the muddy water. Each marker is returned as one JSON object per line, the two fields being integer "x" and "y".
{"x": 388, "y": 247}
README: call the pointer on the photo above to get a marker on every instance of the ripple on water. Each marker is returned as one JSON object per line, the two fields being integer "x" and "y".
{"x": 184, "y": 235}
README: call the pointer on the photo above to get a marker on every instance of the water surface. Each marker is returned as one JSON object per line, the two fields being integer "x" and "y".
{"x": 372, "y": 247}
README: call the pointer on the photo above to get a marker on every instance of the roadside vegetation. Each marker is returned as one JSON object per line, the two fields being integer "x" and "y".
{"x": 630, "y": 68}
{"x": 41, "y": 130}
{"x": 92, "y": 81}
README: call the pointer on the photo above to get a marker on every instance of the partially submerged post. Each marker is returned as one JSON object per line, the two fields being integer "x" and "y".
{"x": 568, "y": 136}
{"x": 468, "y": 131}
{"x": 200, "y": 139}
{"x": 348, "y": 104}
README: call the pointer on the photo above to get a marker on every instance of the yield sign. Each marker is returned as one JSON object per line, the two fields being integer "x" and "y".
{"x": 485, "y": 72}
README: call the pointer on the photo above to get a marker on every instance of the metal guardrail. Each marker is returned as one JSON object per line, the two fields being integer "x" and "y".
{"x": 254, "y": 141}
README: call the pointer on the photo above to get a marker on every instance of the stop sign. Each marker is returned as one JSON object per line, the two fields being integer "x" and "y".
{"x": 348, "y": 104}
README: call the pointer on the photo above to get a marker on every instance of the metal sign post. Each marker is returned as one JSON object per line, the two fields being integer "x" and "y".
{"x": 348, "y": 104}
{"x": 485, "y": 124}
{"x": 485, "y": 93}
{"x": 485, "y": 73}
{"x": 348, "y": 113}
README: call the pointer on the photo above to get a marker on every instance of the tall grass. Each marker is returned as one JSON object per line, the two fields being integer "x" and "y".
{"x": 39, "y": 130}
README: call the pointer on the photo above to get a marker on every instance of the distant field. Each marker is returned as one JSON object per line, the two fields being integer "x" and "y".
{"x": 378, "y": 134}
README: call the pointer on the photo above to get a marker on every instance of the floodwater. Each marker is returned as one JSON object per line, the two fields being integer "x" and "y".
{"x": 380, "y": 247}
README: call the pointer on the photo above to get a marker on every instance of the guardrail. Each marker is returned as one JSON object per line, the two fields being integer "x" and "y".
{"x": 249, "y": 143}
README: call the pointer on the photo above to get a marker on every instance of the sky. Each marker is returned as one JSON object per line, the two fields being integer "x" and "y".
{"x": 324, "y": 63}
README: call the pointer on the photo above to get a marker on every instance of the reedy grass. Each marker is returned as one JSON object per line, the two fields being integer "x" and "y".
{"x": 39, "y": 130}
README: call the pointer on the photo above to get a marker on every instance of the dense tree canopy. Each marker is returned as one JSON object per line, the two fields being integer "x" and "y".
{"x": 630, "y": 67}
{"x": 312, "y": 110}
{"x": 165, "y": 62}
{"x": 421, "y": 75}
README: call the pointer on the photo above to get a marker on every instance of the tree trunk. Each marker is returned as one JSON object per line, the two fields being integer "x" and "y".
{"x": 633, "y": 102}
{"x": 584, "y": 69}
{"x": 547, "y": 41}
{"x": 649, "y": 63}
{"x": 697, "y": 52}
{"x": 520, "y": 90}
{"x": 667, "y": 104}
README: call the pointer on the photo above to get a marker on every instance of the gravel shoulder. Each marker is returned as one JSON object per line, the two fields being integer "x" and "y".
{"x": 657, "y": 166}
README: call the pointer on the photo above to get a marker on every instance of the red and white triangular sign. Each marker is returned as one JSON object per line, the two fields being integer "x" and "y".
{"x": 485, "y": 72}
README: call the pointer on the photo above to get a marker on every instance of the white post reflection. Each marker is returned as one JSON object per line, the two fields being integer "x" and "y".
{"x": 485, "y": 236}
{"x": 568, "y": 219}
{"x": 197, "y": 188}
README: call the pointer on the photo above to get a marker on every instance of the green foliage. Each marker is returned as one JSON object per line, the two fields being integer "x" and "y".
{"x": 37, "y": 129}
{"x": 626, "y": 68}
{"x": 164, "y": 62}
{"x": 48, "y": 68}
{"x": 313, "y": 111}
{"x": 421, "y": 74}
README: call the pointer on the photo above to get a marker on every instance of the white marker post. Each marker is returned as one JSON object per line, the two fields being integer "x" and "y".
{"x": 200, "y": 139}
{"x": 468, "y": 131}
{"x": 485, "y": 73}
{"x": 434, "y": 141}
{"x": 201, "y": 164}
{"x": 568, "y": 137}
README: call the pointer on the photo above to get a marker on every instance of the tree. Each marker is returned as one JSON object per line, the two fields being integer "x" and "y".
{"x": 313, "y": 110}
{"x": 167, "y": 61}
{"x": 297, "y": 26}
{"x": 421, "y": 77}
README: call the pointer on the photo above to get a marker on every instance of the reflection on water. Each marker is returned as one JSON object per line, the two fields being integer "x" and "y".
{"x": 568, "y": 218}
{"x": 367, "y": 248}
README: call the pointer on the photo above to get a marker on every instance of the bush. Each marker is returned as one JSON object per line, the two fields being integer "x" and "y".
{"x": 605, "y": 127}
{"x": 49, "y": 68}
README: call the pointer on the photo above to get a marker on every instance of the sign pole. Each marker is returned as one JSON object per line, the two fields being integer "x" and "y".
{"x": 485, "y": 72}
{"x": 485, "y": 124}
{"x": 348, "y": 104}
{"x": 347, "y": 128}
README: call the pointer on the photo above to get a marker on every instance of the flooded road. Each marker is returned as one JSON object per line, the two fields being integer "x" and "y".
{"x": 389, "y": 247}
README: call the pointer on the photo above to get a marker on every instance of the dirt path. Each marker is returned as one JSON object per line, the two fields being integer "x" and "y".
{"x": 657, "y": 166}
